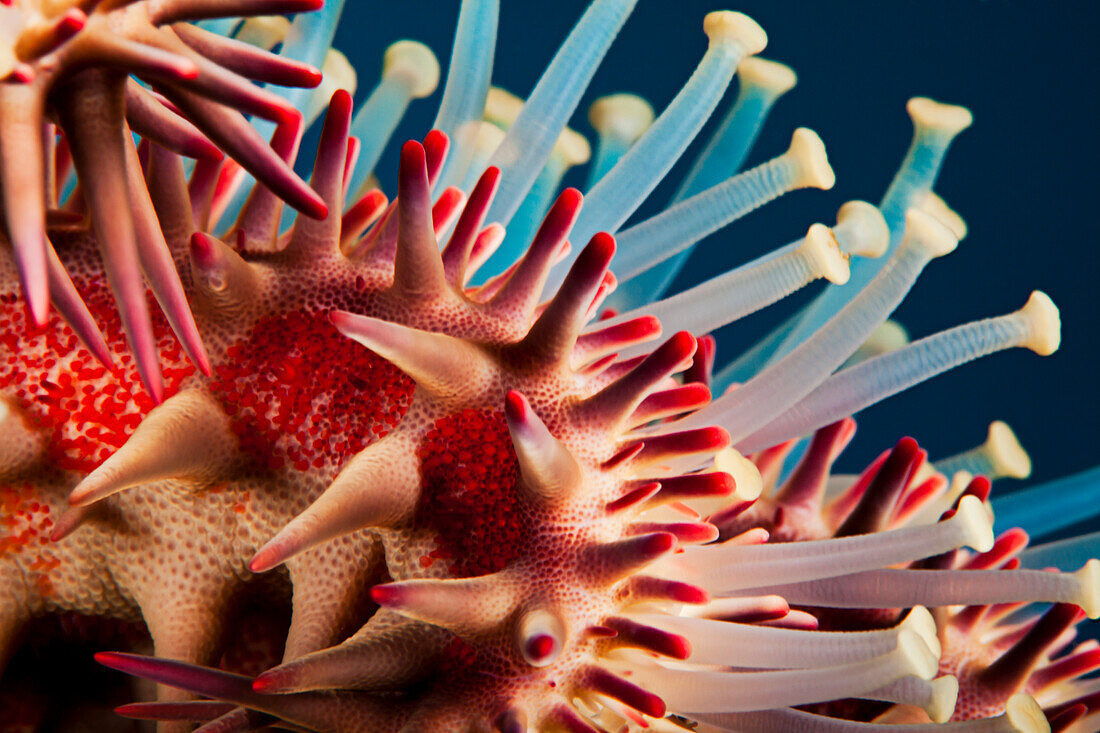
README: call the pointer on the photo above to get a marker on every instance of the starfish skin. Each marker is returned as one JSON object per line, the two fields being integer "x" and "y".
{"x": 484, "y": 472}
{"x": 68, "y": 71}
{"x": 183, "y": 545}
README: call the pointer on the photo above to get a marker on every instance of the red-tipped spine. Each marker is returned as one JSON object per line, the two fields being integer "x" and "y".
{"x": 640, "y": 636}
{"x": 701, "y": 441}
{"x": 644, "y": 587}
{"x": 456, "y": 254}
{"x": 616, "y": 401}
{"x": 605, "y": 683}
{"x": 634, "y": 498}
{"x": 688, "y": 533}
{"x": 190, "y": 710}
{"x": 1012, "y": 668}
{"x": 696, "y": 485}
{"x": 1008, "y": 545}
{"x": 669, "y": 402}
{"x": 874, "y": 507}
{"x": 445, "y": 208}
{"x": 436, "y": 145}
{"x": 616, "y": 560}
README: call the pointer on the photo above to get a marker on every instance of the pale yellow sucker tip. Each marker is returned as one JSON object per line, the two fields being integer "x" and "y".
{"x": 920, "y": 621}
{"x": 945, "y": 694}
{"x": 269, "y": 21}
{"x": 1089, "y": 596}
{"x": 726, "y": 25}
{"x": 808, "y": 150}
{"x": 929, "y": 233}
{"x": 933, "y": 204}
{"x": 502, "y": 107}
{"x": 264, "y": 30}
{"x": 766, "y": 74}
{"x": 338, "y": 72}
{"x": 977, "y": 525}
{"x": 871, "y": 235}
{"x": 950, "y": 118}
{"x": 416, "y": 63}
{"x": 821, "y": 249}
{"x": 572, "y": 147}
{"x": 890, "y": 336}
{"x": 746, "y": 475}
{"x": 1045, "y": 324}
{"x": 625, "y": 116}
{"x": 1007, "y": 455}
{"x": 915, "y": 656}
{"x": 489, "y": 136}
{"x": 959, "y": 481}
{"x": 1025, "y": 715}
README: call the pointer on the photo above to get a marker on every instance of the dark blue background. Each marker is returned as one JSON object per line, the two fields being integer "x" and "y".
{"x": 1024, "y": 176}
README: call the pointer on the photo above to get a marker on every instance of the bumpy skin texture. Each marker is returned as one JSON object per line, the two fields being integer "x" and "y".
{"x": 480, "y": 471}
{"x": 67, "y": 64}
{"x": 176, "y": 552}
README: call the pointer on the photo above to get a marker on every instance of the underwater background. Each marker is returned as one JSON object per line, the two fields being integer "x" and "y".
{"x": 1023, "y": 176}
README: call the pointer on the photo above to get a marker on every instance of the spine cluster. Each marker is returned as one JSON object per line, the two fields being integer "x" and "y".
{"x": 418, "y": 463}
